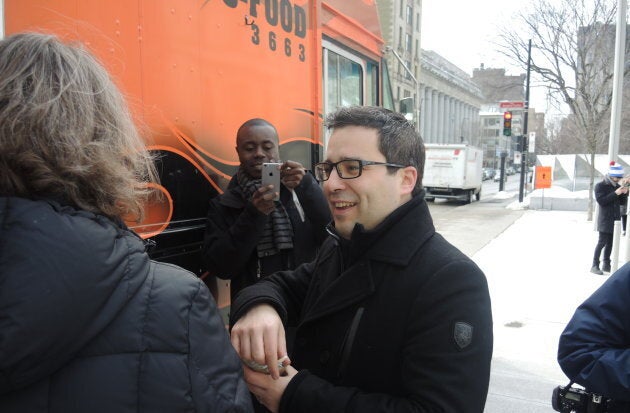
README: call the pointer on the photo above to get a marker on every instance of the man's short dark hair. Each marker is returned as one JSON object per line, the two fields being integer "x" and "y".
{"x": 255, "y": 122}
{"x": 398, "y": 139}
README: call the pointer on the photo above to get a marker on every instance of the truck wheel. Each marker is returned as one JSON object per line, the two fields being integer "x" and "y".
{"x": 478, "y": 195}
{"x": 471, "y": 196}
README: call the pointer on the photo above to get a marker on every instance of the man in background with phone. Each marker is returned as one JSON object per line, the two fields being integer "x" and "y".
{"x": 248, "y": 234}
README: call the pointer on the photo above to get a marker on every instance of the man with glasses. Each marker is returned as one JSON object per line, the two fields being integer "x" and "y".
{"x": 391, "y": 317}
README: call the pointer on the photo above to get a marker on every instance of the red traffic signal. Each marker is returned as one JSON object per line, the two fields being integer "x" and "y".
{"x": 507, "y": 123}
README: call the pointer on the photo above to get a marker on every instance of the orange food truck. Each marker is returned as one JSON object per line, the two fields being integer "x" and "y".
{"x": 194, "y": 70}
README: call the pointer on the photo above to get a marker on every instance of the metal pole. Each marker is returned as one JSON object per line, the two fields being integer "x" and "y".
{"x": 415, "y": 81}
{"x": 615, "y": 113}
{"x": 524, "y": 161}
{"x": 614, "y": 258}
{"x": 1, "y": 19}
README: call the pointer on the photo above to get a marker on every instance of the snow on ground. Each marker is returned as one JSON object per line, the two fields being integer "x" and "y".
{"x": 538, "y": 272}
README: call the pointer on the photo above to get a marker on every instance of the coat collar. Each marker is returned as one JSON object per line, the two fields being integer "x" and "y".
{"x": 394, "y": 240}
{"x": 400, "y": 238}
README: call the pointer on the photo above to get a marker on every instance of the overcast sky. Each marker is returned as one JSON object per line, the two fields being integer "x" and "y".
{"x": 464, "y": 32}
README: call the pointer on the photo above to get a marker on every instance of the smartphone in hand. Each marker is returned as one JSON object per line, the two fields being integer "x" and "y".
{"x": 271, "y": 176}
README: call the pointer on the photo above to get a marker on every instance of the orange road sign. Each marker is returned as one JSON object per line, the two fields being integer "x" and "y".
{"x": 543, "y": 177}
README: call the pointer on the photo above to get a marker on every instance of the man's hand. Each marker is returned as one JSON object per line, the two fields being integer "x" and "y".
{"x": 267, "y": 390}
{"x": 291, "y": 174}
{"x": 259, "y": 336}
{"x": 263, "y": 199}
{"x": 621, "y": 190}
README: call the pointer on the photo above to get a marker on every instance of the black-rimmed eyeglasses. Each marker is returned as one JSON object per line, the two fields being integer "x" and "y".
{"x": 346, "y": 169}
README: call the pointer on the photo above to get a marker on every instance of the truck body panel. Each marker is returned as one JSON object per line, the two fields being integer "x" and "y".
{"x": 194, "y": 70}
{"x": 453, "y": 171}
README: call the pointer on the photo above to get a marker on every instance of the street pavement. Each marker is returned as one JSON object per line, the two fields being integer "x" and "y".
{"x": 537, "y": 264}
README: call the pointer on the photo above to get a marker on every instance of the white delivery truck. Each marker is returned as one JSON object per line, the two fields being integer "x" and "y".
{"x": 452, "y": 171}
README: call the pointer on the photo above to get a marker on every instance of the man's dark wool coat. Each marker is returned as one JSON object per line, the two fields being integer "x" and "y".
{"x": 396, "y": 320}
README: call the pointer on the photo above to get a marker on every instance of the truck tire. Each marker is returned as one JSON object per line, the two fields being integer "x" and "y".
{"x": 478, "y": 195}
{"x": 471, "y": 196}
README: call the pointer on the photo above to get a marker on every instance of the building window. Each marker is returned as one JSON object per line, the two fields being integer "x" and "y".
{"x": 418, "y": 22}
{"x": 407, "y": 94}
{"x": 417, "y": 49}
{"x": 400, "y": 38}
{"x": 402, "y": 6}
{"x": 407, "y": 74}
{"x": 408, "y": 43}
{"x": 410, "y": 16}
{"x": 397, "y": 92}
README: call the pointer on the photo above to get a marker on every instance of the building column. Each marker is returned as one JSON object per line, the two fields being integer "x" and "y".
{"x": 426, "y": 112}
{"x": 439, "y": 138}
{"x": 451, "y": 121}
{"x": 435, "y": 116}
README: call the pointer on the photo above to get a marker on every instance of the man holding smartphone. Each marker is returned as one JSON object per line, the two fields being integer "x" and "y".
{"x": 248, "y": 234}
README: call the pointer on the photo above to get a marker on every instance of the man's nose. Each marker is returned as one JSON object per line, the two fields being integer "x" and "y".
{"x": 260, "y": 152}
{"x": 334, "y": 182}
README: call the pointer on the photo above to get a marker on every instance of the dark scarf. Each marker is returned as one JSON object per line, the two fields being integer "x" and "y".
{"x": 278, "y": 232}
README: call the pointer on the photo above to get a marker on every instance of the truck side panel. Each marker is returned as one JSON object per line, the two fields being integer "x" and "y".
{"x": 194, "y": 70}
{"x": 452, "y": 171}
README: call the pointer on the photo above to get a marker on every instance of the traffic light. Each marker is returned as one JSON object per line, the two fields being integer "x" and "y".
{"x": 507, "y": 123}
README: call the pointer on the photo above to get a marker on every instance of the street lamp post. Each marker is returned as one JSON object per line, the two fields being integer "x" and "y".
{"x": 416, "y": 83}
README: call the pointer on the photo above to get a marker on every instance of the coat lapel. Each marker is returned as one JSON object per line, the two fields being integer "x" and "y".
{"x": 334, "y": 291}
{"x": 349, "y": 288}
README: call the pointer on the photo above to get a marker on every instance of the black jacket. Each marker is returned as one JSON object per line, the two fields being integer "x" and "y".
{"x": 609, "y": 206}
{"x": 234, "y": 227}
{"x": 406, "y": 326}
{"x": 594, "y": 349}
{"x": 89, "y": 324}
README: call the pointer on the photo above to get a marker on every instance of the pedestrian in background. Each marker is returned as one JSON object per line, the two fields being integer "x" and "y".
{"x": 391, "y": 317}
{"x": 607, "y": 194}
{"x": 248, "y": 234}
{"x": 594, "y": 349}
{"x": 88, "y": 323}
{"x": 623, "y": 203}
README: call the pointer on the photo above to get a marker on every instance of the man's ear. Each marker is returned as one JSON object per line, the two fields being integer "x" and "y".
{"x": 409, "y": 177}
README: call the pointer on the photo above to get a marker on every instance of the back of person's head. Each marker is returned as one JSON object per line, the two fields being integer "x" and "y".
{"x": 399, "y": 142}
{"x": 66, "y": 133}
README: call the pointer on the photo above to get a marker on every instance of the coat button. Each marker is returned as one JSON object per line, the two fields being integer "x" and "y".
{"x": 324, "y": 357}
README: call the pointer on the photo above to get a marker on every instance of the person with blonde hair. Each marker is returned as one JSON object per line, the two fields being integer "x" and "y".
{"x": 88, "y": 323}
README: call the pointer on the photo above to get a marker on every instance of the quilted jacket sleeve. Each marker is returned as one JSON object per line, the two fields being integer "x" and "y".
{"x": 215, "y": 369}
{"x": 594, "y": 349}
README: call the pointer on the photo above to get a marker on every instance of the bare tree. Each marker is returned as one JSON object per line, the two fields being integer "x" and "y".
{"x": 573, "y": 54}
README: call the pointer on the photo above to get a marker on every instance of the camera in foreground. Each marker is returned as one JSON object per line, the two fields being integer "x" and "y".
{"x": 566, "y": 399}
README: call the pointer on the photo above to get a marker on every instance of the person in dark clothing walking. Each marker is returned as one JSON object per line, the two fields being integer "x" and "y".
{"x": 88, "y": 323}
{"x": 607, "y": 194}
{"x": 623, "y": 203}
{"x": 594, "y": 348}
{"x": 390, "y": 316}
{"x": 243, "y": 239}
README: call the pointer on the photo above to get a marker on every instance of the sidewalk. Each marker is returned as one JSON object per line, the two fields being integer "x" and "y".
{"x": 538, "y": 272}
